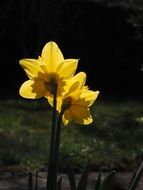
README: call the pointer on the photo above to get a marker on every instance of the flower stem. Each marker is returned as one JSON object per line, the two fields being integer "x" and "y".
{"x": 57, "y": 145}
{"x": 51, "y": 185}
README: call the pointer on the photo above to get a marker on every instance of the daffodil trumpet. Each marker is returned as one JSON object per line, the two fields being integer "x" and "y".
{"x": 48, "y": 73}
{"x": 76, "y": 102}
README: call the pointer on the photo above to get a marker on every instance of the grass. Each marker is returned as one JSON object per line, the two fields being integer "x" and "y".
{"x": 112, "y": 141}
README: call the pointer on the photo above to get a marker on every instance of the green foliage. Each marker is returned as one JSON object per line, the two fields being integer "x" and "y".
{"x": 59, "y": 184}
{"x": 22, "y": 134}
{"x": 82, "y": 184}
{"x": 114, "y": 140}
{"x": 83, "y": 179}
{"x": 71, "y": 178}
{"x": 109, "y": 182}
{"x": 136, "y": 178}
{"x": 98, "y": 182}
{"x": 30, "y": 181}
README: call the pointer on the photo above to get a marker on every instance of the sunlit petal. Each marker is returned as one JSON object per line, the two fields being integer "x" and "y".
{"x": 87, "y": 97}
{"x": 66, "y": 117}
{"x": 51, "y": 56}
{"x": 31, "y": 67}
{"x": 81, "y": 78}
{"x": 67, "y": 68}
{"x": 32, "y": 89}
{"x": 73, "y": 88}
{"x": 76, "y": 83}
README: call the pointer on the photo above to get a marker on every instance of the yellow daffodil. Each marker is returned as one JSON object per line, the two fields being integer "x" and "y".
{"x": 76, "y": 101}
{"x": 48, "y": 74}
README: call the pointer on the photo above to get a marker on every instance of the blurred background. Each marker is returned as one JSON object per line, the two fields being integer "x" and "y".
{"x": 107, "y": 36}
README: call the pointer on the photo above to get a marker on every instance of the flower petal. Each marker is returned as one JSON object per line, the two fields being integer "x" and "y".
{"x": 51, "y": 56}
{"x": 31, "y": 67}
{"x": 81, "y": 78}
{"x": 32, "y": 89}
{"x": 87, "y": 97}
{"x": 75, "y": 84}
{"x": 73, "y": 88}
{"x": 81, "y": 114}
{"x": 66, "y": 117}
{"x": 67, "y": 68}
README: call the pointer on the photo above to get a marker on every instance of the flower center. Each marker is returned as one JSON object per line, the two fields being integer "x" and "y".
{"x": 66, "y": 103}
{"x": 51, "y": 85}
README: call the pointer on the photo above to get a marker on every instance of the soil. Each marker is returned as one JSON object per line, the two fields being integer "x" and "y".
{"x": 20, "y": 183}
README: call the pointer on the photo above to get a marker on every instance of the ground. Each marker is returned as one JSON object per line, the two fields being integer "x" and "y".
{"x": 20, "y": 183}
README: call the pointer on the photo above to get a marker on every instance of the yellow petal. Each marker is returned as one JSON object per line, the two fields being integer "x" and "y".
{"x": 31, "y": 67}
{"x": 87, "y": 97}
{"x": 81, "y": 114}
{"x": 67, "y": 68}
{"x": 32, "y": 89}
{"x": 73, "y": 88}
{"x": 51, "y": 56}
{"x": 66, "y": 117}
{"x": 75, "y": 84}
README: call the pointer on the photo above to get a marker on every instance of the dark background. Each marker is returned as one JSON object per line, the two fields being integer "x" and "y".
{"x": 106, "y": 36}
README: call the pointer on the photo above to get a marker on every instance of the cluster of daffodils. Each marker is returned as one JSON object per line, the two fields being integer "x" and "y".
{"x": 53, "y": 76}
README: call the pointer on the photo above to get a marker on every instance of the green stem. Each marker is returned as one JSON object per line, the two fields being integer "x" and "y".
{"x": 30, "y": 181}
{"x": 51, "y": 166}
{"x": 57, "y": 145}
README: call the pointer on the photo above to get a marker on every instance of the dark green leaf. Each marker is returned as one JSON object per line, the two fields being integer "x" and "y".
{"x": 136, "y": 178}
{"x": 98, "y": 182}
{"x": 36, "y": 181}
{"x": 83, "y": 179}
{"x": 108, "y": 182}
{"x": 59, "y": 184}
{"x": 30, "y": 181}
{"x": 133, "y": 176}
{"x": 71, "y": 178}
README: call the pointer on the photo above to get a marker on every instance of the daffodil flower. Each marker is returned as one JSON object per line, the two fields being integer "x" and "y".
{"x": 76, "y": 101}
{"x": 48, "y": 74}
